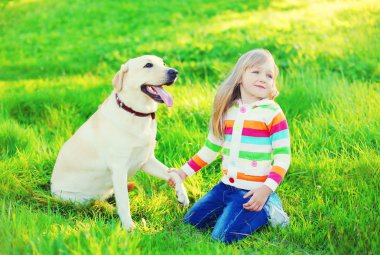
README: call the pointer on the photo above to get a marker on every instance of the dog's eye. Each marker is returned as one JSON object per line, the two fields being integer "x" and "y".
{"x": 148, "y": 65}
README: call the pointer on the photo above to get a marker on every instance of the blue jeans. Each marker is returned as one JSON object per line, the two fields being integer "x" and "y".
{"x": 222, "y": 208}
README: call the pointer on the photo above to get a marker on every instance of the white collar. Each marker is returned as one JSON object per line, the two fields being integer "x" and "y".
{"x": 264, "y": 101}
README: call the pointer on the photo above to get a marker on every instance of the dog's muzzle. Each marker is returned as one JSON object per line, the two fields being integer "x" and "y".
{"x": 157, "y": 93}
{"x": 172, "y": 73}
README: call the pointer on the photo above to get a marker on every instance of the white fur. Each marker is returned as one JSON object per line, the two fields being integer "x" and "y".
{"x": 113, "y": 144}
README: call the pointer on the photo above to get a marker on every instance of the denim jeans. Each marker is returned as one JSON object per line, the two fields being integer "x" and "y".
{"x": 222, "y": 208}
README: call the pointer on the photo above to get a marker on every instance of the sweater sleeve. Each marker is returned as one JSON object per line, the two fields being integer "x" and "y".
{"x": 280, "y": 139}
{"x": 204, "y": 156}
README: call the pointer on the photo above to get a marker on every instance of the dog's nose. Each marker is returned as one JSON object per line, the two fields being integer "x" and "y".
{"x": 172, "y": 73}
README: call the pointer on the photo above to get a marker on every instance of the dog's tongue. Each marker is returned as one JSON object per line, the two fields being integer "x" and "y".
{"x": 165, "y": 96}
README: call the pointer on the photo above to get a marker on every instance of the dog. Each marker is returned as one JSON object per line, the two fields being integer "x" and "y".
{"x": 118, "y": 139}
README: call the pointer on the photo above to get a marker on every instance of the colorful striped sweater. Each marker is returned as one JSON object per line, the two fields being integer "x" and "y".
{"x": 255, "y": 149}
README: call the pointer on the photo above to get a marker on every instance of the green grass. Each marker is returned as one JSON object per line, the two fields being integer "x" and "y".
{"x": 57, "y": 60}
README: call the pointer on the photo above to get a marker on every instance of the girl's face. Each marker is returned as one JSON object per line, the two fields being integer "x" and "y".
{"x": 257, "y": 82}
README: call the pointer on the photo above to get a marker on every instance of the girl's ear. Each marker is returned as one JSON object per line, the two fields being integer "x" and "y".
{"x": 118, "y": 79}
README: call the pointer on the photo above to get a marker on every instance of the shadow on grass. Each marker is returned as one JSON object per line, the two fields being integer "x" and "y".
{"x": 30, "y": 109}
{"x": 43, "y": 201}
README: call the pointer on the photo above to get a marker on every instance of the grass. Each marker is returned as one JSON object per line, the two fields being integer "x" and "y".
{"x": 57, "y": 60}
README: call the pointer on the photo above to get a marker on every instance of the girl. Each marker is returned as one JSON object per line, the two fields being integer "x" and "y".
{"x": 251, "y": 132}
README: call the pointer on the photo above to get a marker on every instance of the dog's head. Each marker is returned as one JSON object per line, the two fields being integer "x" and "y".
{"x": 142, "y": 79}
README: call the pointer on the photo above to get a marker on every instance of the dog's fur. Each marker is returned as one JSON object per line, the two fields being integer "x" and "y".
{"x": 113, "y": 144}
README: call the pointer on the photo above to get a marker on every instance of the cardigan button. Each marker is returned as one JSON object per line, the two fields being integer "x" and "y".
{"x": 254, "y": 163}
{"x": 243, "y": 110}
{"x": 231, "y": 180}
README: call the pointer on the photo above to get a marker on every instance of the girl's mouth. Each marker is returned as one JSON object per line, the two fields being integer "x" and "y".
{"x": 259, "y": 86}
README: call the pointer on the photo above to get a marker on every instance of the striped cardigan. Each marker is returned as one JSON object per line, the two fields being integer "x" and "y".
{"x": 255, "y": 149}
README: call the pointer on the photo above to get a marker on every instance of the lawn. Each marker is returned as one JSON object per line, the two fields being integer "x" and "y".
{"x": 57, "y": 61}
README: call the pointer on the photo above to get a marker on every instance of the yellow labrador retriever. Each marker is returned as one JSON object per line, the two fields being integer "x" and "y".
{"x": 118, "y": 140}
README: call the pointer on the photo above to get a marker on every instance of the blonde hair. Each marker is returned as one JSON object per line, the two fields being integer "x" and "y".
{"x": 229, "y": 90}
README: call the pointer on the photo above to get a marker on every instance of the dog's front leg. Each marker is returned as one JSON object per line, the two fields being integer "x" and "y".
{"x": 119, "y": 179}
{"x": 156, "y": 168}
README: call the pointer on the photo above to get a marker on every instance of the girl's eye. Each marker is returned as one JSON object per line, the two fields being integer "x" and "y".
{"x": 148, "y": 65}
{"x": 255, "y": 72}
{"x": 270, "y": 76}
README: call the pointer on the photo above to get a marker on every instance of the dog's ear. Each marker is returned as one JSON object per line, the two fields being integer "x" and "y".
{"x": 119, "y": 77}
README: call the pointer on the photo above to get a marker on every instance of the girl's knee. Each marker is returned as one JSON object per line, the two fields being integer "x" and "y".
{"x": 227, "y": 235}
{"x": 223, "y": 238}
{"x": 226, "y": 238}
{"x": 190, "y": 219}
{"x": 219, "y": 234}
{"x": 218, "y": 237}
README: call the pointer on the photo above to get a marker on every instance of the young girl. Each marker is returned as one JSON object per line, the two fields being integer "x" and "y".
{"x": 251, "y": 132}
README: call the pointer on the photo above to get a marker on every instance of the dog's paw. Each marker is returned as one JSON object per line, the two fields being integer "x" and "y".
{"x": 180, "y": 190}
{"x": 183, "y": 200}
{"x": 182, "y": 197}
{"x": 129, "y": 225}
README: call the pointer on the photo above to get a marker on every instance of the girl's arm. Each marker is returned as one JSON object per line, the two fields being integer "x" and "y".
{"x": 279, "y": 136}
{"x": 204, "y": 156}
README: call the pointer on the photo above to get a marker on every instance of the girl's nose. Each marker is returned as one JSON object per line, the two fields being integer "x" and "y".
{"x": 263, "y": 78}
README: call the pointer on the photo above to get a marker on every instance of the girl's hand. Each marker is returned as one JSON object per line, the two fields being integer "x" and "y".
{"x": 181, "y": 174}
{"x": 258, "y": 199}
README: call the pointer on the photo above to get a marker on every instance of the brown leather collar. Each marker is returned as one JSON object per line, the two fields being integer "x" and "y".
{"x": 128, "y": 109}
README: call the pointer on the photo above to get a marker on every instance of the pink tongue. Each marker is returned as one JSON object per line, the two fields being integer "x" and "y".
{"x": 165, "y": 96}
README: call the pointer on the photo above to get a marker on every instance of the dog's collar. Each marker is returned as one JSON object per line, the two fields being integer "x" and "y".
{"x": 128, "y": 109}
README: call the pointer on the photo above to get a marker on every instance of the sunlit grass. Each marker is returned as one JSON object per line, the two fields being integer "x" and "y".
{"x": 57, "y": 61}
